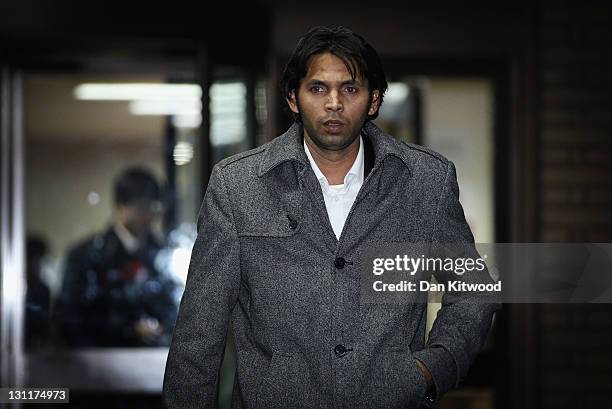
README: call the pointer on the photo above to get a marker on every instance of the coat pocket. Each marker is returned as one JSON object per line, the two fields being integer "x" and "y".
{"x": 395, "y": 381}
{"x": 284, "y": 383}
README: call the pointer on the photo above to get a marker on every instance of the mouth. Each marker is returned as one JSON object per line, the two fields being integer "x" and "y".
{"x": 333, "y": 126}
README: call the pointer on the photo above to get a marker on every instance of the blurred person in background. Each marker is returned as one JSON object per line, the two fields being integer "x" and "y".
{"x": 112, "y": 293}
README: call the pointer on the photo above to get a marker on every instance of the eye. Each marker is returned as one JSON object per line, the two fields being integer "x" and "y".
{"x": 316, "y": 89}
{"x": 350, "y": 89}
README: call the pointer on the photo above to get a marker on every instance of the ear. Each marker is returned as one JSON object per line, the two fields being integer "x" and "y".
{"x": 293, "y": 103}
{"x": 374, "y": 102}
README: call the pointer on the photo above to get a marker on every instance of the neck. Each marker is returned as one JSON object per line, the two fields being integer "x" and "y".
{"x": 333, "y": 164}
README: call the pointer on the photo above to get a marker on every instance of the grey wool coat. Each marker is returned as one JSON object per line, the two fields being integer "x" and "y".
{"x": 267, "y": 260}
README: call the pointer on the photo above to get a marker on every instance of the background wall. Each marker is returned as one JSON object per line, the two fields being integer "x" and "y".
{"x": 574, "y": 360}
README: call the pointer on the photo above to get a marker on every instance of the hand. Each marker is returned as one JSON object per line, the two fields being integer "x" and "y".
{"x": 147, "y": 328}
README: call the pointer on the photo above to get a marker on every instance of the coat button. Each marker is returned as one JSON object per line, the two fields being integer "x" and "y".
{"x": 339, "y": 263}
{"x": 340, "y": 350}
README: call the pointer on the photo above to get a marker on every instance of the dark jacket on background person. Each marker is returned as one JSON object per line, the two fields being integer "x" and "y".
{"x": 106, "y": 290}
{"x": 266, "y": 257}
{"x": 37, "y": 322}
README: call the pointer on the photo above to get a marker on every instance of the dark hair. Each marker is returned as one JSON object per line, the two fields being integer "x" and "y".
{"x": 358, "y": 56}
{"x": 136, "y": 185}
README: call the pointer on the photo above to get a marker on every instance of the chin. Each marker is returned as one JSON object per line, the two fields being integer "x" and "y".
{"x": 334, "y": 142}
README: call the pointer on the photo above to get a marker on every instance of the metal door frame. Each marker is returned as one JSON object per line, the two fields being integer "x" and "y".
{"x": 12, "y": 229}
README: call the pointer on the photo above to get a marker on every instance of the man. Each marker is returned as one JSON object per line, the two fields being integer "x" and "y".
{"x": 113, "y": 294}
{"x": 280, "y": 229}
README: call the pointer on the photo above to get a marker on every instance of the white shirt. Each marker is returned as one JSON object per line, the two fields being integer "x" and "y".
{"x": 129, "y": 241}
{"x": 340, "y": 198}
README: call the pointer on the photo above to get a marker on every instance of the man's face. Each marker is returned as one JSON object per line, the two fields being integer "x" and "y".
{"x": 138, "y": 217}
{"x": 333, "y": 106}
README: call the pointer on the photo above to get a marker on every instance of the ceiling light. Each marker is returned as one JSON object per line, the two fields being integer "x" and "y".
{"x": 136, "y": 91}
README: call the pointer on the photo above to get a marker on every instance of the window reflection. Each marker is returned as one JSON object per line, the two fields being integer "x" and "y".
{"x": 229, "y": 130}
{"x": 113, "y": 170}
{"x": 113, "y": 291}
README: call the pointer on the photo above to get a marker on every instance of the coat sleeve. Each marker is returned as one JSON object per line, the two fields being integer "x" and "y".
{"x": 196, "y": 351}
{"x": 463, "y": 322}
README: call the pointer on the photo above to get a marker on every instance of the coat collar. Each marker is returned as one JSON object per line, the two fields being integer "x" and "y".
{"x": 289, "y": 147}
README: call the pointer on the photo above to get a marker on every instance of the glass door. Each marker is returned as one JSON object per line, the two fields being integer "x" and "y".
{"x": 114, "y": 164}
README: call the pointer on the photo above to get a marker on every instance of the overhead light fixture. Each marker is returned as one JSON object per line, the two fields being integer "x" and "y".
{"x": 137, "y": 91}
{"x": 166, "y": 107}
{"x": 181, "y": 101}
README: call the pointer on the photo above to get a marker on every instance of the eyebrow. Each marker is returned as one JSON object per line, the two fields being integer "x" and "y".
{"x": 346, "y": 82}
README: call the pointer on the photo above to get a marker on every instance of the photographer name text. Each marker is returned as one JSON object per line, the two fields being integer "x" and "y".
{"x": 457, "y": 285}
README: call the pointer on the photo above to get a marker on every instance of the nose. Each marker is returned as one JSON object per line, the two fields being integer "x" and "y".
{"x": 334, "y": 103}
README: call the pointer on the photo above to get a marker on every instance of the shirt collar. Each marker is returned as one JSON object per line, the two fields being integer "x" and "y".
{"x": 355, "y": 173}
{"x": 129, "y": 241}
